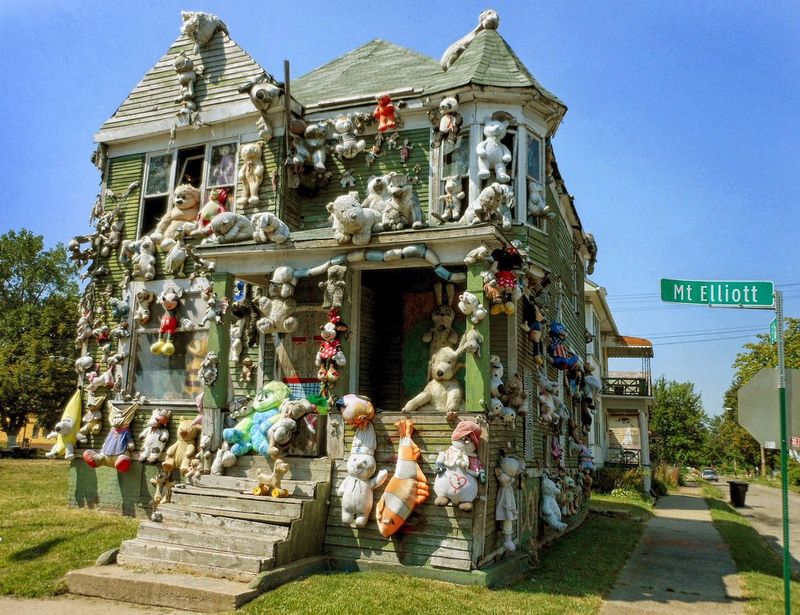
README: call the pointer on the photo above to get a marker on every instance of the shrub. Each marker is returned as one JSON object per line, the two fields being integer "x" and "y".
{"x": 793, "y": 475}
{"x": 609, "y": 478}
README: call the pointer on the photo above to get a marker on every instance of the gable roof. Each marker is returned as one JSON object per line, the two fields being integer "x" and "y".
{"x": 151, "y": 106}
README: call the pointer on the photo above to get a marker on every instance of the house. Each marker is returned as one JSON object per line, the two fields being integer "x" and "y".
{"x": 323, "y": 233}
{"x": 620, "y": 432}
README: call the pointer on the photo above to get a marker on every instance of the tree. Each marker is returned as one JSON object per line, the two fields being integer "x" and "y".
{"x": 38, "y": 308}
{"x": 678, "y": 422}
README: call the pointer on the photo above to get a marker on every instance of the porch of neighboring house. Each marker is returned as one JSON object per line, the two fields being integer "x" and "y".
{"x": 627, "y": 399}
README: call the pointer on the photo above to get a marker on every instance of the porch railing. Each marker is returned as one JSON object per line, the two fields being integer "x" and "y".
{"x": 637, "y": 387}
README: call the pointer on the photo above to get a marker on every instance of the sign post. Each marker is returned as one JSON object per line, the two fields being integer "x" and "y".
{"x": 787, "y": 571}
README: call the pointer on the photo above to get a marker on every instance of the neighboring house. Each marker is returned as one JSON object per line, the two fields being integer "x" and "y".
{"x": 315, "y": 141}
{"x": 620, "y": 433}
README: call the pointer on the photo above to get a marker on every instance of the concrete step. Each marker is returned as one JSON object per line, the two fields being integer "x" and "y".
{"x": 205, "y": 538}
{"x": 154, "y": 565}
{"x": 288, "y": 508}
{"x": 227, "y": 522}
{"x": 296, "y": 488}
{"x": 194, "y": 557}
{"x": 301, "y": 468}
{"x": 204, "y": 594}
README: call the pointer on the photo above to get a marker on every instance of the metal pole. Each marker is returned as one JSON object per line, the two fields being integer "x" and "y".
{"x": 787, "y": 572}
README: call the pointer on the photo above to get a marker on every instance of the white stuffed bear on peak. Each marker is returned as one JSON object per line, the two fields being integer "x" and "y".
{"x": 492, "y": 154}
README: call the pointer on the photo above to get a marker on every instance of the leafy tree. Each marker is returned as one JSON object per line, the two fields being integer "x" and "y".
{"x": 678, "y": 422}
{"x": 38, "y": 308}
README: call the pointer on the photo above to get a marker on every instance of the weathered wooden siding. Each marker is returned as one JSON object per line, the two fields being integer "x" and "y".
{"x": 313, "y": 212}
{"x": 562, "y": 263}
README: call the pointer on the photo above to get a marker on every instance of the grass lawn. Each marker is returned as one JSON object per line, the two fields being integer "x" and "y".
{"x": 573, "y": 577}
{"x": 759, "y": 566}
{"x": 43, "y": 539}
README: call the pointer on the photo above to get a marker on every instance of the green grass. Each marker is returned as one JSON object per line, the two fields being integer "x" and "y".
{"x": 43, "y": 539}
{"x": 775, "y": 483}
{"x": 573, "y": 576}
{"x": 759, "y": 566}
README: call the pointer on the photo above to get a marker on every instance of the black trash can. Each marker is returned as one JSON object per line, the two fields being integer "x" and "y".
{"x": 738, "y": 490}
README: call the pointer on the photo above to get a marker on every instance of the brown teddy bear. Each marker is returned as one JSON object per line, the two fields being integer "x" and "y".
{"x": 180, "y": 454}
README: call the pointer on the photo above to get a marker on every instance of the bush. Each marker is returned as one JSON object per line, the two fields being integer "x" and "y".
{"x": 793, "y": 475}
{"x": 665, "y": 478}
{"x": 609, "y": 478}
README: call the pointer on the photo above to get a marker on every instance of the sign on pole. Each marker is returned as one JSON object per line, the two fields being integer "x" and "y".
{"x": 718, "y": 292}
{"x": 795, "y": 442}
{"x": 773, "y": 331}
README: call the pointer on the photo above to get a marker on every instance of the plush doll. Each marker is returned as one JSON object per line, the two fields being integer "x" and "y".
{"x": 176, "y": 257}
{"x": 507, "y": 472}
{"x": 278, "y": 307}
{"x": 169, "y": 299}
{"x": 269, "y": 484}
{"x": 405, "y": 151}
{"x": 471, "y": 306}
{"x": 182, "y": 451}
{"x": 515, "y": 395}
{"x": 403, "y": 209}
{"x": 92, "y": 422}
{"x": 334, "y": 287}
{"x": 378, "y": 196}
{"x": 562, "y": 357}
{"x": 215, "y": 307}
{"x": 585, "y": 458}
{"x": 154, "y": 436}
{"x": 330, "y": 355}
{"x": 496, "y": 376}
{"x": 555, "y": 451}
{"x": 66, "y": 429}
{"x": 184, "y": 210}
{"x": 251, "y": 173}
{"x": 534, "y": 323}
{"x": 442, "y": 334}
{"x": 356, "y": 489}
{"x": 458, "y": 469}
{"x": 547, "y": 402}
{"x": 315, "y": 138}
{"x": 493, "y": 204}
{"x": 384, "y": 113}
{"x": 348, "y": 146}
{"x": 144, "y": 260}
{"x": 269, "y": 227}
{"x": 509, "y": 263}
{"x": 118, "y": 443}
{"x": 488, "y": 20}
{"x": 144, "y": 298}
{"x": 447, "y": 122}
{"x": 550, "y": 510}
{"x": 492, "y": 154}
{"x": 451, "y": 200}
{"x": 351, "y": 222}
{"x": 229, "y": 227}
{"x": 163, "y": 493}
{"x": 215, "y": 205}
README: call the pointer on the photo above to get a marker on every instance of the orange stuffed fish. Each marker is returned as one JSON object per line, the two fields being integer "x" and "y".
{"x": 407, "y": 488}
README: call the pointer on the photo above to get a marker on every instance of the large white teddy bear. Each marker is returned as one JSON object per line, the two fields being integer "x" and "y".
{"x": 352, "y": 222}
{"x": 229, "y": 227}
{"x": 550, "y": 510}
{"x": 269, "y": 227}
{"x": 155, "y": 436}
{"x": 492, "y": 154}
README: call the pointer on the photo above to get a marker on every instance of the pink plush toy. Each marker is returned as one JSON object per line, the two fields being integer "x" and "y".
{"x": 384, "y": 113}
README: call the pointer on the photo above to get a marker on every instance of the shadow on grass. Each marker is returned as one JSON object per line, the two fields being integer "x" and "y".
{"x": 749, "y": 549}
{"x": 31, "y": 553}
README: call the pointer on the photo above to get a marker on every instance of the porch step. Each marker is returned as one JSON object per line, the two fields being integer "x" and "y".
{"x": 238, "y": 502}
{"x": 204, "y": 594}
{"x": 204, "y": 538}
{"x": 194, "y": 557}
{"x": 211, "y": 510}
{"x": 296, "y": 488}
{"x": 316, "y": 469}
{"x": 229, "y": 522}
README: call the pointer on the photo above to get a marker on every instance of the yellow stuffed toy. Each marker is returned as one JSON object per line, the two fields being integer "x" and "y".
{"x": 66, "y": 429}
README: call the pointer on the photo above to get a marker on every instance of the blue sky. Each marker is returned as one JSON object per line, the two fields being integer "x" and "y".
{"x": 681, "y": 144}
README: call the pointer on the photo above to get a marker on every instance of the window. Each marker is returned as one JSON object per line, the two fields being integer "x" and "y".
{"x": 455, "y": 167}
{"x": 536, "y": 194}
{"x": 212, "y": 165}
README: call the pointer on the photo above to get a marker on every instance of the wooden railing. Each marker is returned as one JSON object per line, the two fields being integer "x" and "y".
{"x": 637, "y": 387}
{"x": 627, "y": 457}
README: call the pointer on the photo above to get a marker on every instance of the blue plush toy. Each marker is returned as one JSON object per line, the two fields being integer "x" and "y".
{"x": 250, "y": 433}
{"x": 563, "y": 359}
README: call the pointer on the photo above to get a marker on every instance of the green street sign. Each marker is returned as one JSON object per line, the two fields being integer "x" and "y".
{"x": 773, "y": 331}
{"x": 718, "y": 292}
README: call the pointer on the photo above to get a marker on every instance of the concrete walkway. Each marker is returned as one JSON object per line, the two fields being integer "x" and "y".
{"x": 78, "y": 604}
{"x": 681, "y": 565}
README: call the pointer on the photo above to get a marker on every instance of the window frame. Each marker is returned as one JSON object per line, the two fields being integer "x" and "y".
{"x": 539, "y": 223}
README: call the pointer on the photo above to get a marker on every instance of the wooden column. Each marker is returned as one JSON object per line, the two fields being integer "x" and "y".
{"x": 219, "y": 341}
{"x": 477, "y": 380}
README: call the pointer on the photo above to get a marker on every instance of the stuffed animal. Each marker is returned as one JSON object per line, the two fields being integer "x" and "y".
{"x": 144, "y": 298}
{"x": 278, "y": 307}
{"x": 481, "y": 254}
{"x": 556, "y": 452}
{"x": 458, "y": 469}
{"x": 269, "y": 227}
{"x": 201, "y": 27}
{"x": 330, "y": 354}
{"x": 215, "y": 307}
{"x": 184, "y": 67}
{"x": 442, "y": 334}
{"x": 448, "y": 122}
{"x": 176, "y": 257}
{"x": 351, "y": 222}
{"x": 215, "y": 205}
{"x": 585, "y": 458}
{"x": 496, "y": 376}
{"x": 534, "y": 323}
{"x": 154, "y": 436}
{"x": 334, "y": 287}
{"x": 169, "y": 299}
{"x": 66, "y": 429}
{"x": 550, "y": 510}
{"x": 488, "y": 20}
{"x": 537, "y": 208}
{"x": 403, "y": 209}
{"x": 507, "y": 472}
{"x": 378, "y": 196}
{"x": 251, "y": 173}
{"x": 492, "y": 154}
{"x": 229, "y": 227}
{"x": 269, "y": 484}
{"x": 563, "y": 358}
{"x": 384, "y": 113}
{"x": 348, "y": 146}
{"x": 471, "y": 306}
{"x": 92, "y": 422}
{"x": 118, "y": 443}
{"x": 451, "y": 199}
{"x": 143, "y": 263}
{"x": 162, "y": 495}
{"x": 182, "y": 451}
{"x": 509, "y": 263}
{"x": 184, "y": 210}
{"x": 493, "y": 204}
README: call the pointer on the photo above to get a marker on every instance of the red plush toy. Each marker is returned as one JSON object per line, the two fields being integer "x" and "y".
{"x": 384, "y": 113}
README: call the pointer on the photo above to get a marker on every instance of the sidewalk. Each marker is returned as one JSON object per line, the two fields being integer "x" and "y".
{"x": 681, "y": 565}
{"x": 78, "y": 604}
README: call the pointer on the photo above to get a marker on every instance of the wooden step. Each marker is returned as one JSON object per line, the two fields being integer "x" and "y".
{"x": 301, "y": 468}
{"x": 190, "y": 592}
{"x": 176, "y": 517}
{"x": 153, "y": 565}
{"x": 194, "y": 557}
{"x": 208, "y": 539}
{"x": 244, "y": 494}
{"x": 296, "y": 488}
{"x": 288, "y": 508}
{"x": 257, "y": 517}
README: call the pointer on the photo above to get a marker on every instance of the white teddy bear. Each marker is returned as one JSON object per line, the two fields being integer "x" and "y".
{"x": 64, "y": 431}
{"x": 251, "y": 173}
{"x": 351, "y": 222}
{"x": 492, "y": 154}
{"x": 356, "y": 490}
{"x": 550, "y": 510}
{"x": 278, "y": 307}
{"x": 269, "y": 227}
{"x": 471, "y": 306}
{"x": 154, "y": 436}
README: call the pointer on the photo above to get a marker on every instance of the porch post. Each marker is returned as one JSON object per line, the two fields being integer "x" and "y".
{"x": 219, "y": 341}
{"x": 477, "y": 382}
{"x": 644, "y": 438}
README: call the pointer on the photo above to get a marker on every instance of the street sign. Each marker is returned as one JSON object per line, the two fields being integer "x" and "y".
{"x": 718, "y": 292}
{"x": 770, "y": 444}
{"x": 773, "y": 331}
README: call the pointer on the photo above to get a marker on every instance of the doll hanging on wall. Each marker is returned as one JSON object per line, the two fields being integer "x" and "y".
{"x": 170, "y": 299}
{"x": 509, "y": 264}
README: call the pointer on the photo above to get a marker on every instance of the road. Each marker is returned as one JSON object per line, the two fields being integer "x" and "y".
{"x": 763, "y": 509}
